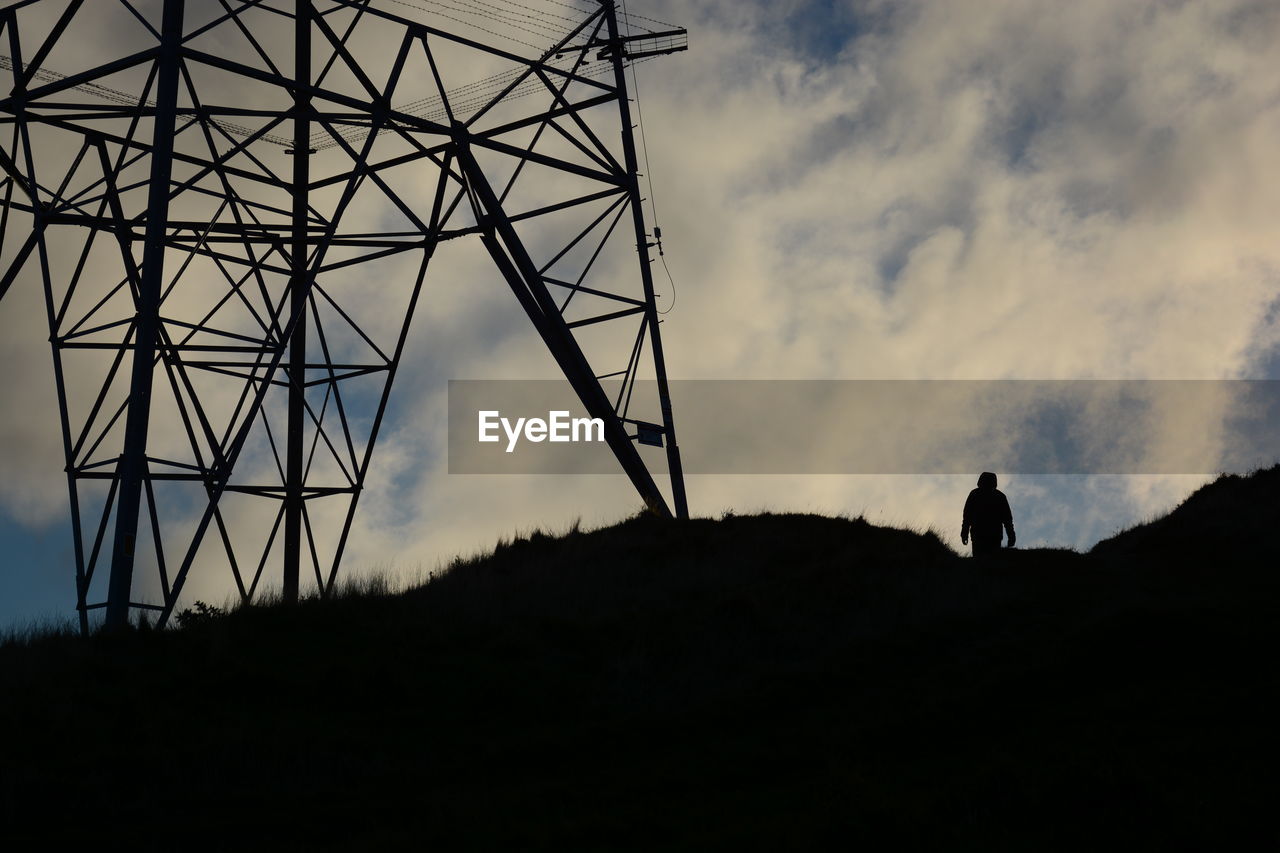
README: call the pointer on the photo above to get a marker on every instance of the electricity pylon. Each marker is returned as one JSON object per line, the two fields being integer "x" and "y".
{"x": 232, "y": 207}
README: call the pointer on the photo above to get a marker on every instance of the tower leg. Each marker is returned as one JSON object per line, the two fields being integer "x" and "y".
{"x": 133, "y": 469}
{"x": 674, "y": 466}
{"x": 298, "y": 293}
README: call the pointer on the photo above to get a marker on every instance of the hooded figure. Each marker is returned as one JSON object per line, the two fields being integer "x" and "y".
{"x": 985, "y": 512}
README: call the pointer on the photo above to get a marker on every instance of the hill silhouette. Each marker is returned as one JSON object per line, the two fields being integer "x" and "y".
{"x": 773, "y": 681}
{"x": 1233, "y": 517}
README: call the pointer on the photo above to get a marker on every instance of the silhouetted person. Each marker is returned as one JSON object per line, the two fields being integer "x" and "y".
{"x": 986, "y": 511}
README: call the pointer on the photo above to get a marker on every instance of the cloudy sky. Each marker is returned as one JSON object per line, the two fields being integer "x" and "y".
{"x": 916, "y": 189}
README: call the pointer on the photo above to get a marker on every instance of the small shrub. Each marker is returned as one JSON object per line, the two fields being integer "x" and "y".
{"x": 199, "y": 614}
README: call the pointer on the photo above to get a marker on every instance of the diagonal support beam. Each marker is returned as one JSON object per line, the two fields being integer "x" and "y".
{"x": 517, "y": 267}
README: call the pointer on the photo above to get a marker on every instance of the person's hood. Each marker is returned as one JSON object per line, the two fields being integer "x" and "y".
{"x": 986, "y": 480}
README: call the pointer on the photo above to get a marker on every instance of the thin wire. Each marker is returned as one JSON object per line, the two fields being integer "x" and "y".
{"x": 502, "y": 16}
{"x": 481, "y": 92}
{"x": 643, "y": 18}
{"x": 467, "y": 23}
{"x": 471, "y": 95}
{"x": 648, "y": 174}
{"x": 538, "y": 20}
{"x": 553, "y": 14}
{"x": 630, "y": 18}
{"x": 125, "y": 99}
{"x": 674, "y": 293}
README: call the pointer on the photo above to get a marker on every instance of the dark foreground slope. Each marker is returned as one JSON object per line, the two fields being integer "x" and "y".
{"x": 778, "y": 681}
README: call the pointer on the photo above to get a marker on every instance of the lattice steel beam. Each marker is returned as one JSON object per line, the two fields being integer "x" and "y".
{"x": 223, "y": 367}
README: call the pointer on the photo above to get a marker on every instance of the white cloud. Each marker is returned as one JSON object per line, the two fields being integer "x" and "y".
{"x": 974, "y": 189}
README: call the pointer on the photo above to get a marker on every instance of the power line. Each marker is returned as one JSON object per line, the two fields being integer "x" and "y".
{"x": 630, "y": 19}
{"x": 648, "y": 175}
{"x": 467, "y": 23}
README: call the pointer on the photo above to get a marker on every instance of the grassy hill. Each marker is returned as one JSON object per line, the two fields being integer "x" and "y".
{"x": 773, "y": 681}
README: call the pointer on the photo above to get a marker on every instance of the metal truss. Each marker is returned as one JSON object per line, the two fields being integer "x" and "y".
{"x": 232, "y": 212}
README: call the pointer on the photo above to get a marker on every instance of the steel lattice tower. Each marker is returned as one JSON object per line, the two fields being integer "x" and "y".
{"x": 226, "y": 332}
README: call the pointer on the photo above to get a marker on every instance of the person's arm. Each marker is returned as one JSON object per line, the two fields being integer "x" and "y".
{"x": 1008, "y": 523}
{"x": 964, "y": 524}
